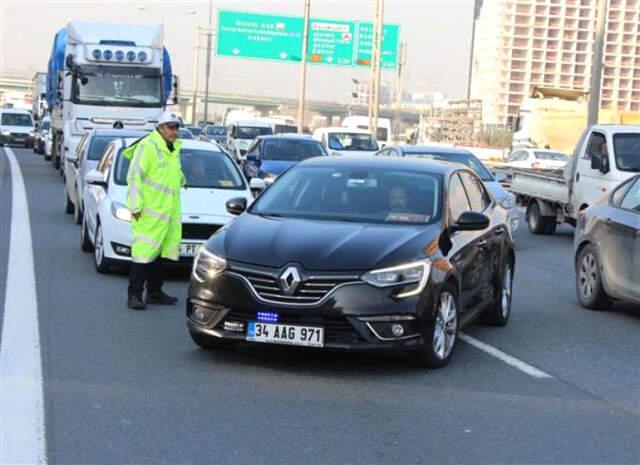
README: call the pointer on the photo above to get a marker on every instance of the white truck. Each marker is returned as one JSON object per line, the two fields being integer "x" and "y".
{"x": 604, "y": 156}
{"x": 39, "y": 90}
{"x": 241, "y": 133}
{"x": 105, "y": 76}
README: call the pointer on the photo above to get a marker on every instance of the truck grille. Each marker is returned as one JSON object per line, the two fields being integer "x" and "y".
{"x": 311, "y": 290}
{"x": 199, "y": 231}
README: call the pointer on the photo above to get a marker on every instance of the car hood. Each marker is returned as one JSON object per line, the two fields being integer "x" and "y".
{"x": 320, "y": 245}
{"x": 496, "y": 189}
{"x": 202, "y": 201}
{"x": 18, "y": 129}
{"x": 276, "y": 166}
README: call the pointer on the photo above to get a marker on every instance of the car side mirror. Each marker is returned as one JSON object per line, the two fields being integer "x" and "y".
{"x": 71, "y": 157}
{"x": 471, "y": 221}
{"x": 257, "y": 184}
{"x": 596, "y": 162}
{"x": 237, "y": 205}
{"x": 95, "y": 178}
{"x": 501, "y": 177}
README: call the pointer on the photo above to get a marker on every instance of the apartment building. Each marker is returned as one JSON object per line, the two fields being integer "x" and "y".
{"x": 520, "y": 44}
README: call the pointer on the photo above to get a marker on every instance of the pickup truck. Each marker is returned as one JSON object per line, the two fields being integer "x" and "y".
{"x": 604, "y": 156}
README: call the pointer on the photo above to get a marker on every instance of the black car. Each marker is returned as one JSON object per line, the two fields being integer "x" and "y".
{"x": 347, "y": 253}
{"x": 215, "y": 133}
{"x": 184, "y": 133}
{"x": 607, "y": 249}
{"x": 195, "y": 130}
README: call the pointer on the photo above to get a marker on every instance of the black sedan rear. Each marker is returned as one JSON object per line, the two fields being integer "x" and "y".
{"x": 607, "y": 249}
{"x": 357, "y": 254}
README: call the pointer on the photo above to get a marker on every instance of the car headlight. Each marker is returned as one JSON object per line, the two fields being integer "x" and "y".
{"x": 508, "y": 201}
{"x": 121, "y": 211}
{"x": 402, "y": 275}
{"x": 207, "y": 265}
{"x": 6, "y": 133}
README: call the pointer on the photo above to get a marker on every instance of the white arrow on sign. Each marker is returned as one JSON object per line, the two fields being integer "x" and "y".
{"x": 283, "y": 55}
{"x": 329, "y": 59}
{"x": 235, "y": 51}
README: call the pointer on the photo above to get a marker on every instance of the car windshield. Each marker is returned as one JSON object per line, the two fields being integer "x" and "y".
{"x": 352, "y": 141}
{"x": 16, "y": 119}
{"x": 361, "y": 195}
{"x": 627, "y": 150}
{"x": 251, "y": 132}
{"x": 118, "y": 87}
{"x": 292, "y": 150}
{"x": 462, "y": 158}
{"x": 185, "y": 134}
{"x": 216, "y": 131}
{"x": 553, "y": 156}
{"x": 285, "y": 129}
{"x": 209, "y": 169}
{"x": 196, "y": 131}
{"x": 98, "y": 146}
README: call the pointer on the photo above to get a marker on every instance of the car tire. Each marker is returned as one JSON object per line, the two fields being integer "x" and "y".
{"x": 211, "y": 342}
{"x": 68, "y": 204}
{"x": 537, "y": 223}
{"x": 85, "y": 242}
{"x": 77, "y": 214}
{"x": 589, "y": 288}
{"x": 500, "y": 311}
{"x": 102, "y": 263}
{"x": 443, "y": 330}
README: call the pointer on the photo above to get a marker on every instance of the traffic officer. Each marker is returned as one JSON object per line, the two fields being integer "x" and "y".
{"x": 154, "y": 181}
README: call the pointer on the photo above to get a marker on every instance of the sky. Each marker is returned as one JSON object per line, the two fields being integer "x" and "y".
{"x": 438, "y": 34}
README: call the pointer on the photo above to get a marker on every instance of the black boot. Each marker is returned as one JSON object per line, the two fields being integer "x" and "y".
{"x": 160, "y": 298}
{"x": 136, "y": 303}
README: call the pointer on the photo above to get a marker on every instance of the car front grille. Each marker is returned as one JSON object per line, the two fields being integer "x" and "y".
{"x": 311, "y": 290}
{"x": 18, "y": 134}
{"x": 336, "y": 328}
{"x": 198, "y": 230}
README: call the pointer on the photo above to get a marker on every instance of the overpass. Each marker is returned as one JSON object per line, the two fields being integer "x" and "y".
{"x": 261, "y": 103}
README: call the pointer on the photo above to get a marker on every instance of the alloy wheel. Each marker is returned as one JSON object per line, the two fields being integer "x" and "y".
{"x": 446, "y": 325}
{"x": 588, "y": 276}
{"x": 98, "y": 248}
{"x": 507, "y": 288}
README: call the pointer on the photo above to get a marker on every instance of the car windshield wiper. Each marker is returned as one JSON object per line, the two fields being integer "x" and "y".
{"x": 130, "y": 99}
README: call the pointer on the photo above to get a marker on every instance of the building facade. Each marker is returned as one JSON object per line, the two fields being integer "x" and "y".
{"x": 519, "y": 44}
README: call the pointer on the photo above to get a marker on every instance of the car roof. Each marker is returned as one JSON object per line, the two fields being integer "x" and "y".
{"x": 15, "y": 110}
{"x": 347, "y": 130}
{"x": 616, "y": 128}
{"x": 436, "y": 149}
{"x": 186, "y": 144}
{"x": 251, "y": 123}
{"x": 405, "y": 164}
{"x": 304, "y": 137}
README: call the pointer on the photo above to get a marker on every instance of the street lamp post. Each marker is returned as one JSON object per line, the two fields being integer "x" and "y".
{"x": 208, "y": 71}
{"x": 376, "y": 55}
{"x": 596, "y": 64}
{"x": 303, "y": 66}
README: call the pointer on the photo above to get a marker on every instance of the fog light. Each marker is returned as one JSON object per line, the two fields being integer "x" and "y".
{"x": 397, "y": 330}
{"x": 233, "y": 326}
{"x": 122, "y": 250}
{"x": 199, "y": 314}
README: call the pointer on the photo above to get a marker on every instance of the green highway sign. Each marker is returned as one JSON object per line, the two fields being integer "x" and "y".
{"x": 279, "y": 38}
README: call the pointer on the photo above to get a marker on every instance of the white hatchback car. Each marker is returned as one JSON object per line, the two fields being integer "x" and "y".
{"x": 535, "y": 159}
{"x": 212, "y": 176}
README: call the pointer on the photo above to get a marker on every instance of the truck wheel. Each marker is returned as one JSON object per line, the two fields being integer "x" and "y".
{"x": 589, "y": 287}
{"x": 535, "y": 220}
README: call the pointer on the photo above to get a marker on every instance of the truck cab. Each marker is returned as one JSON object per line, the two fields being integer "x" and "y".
{"x": 605, "y": 156}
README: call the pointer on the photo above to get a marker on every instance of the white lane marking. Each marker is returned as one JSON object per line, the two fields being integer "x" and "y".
{"x": 504, "y": 357}
{"x": 22, "y": 434}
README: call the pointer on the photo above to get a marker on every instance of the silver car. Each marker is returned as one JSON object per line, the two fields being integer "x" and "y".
{"x": 607, "y": 249}
{"x": 86, "y": 157}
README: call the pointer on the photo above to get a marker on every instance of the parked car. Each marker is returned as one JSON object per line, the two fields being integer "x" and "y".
{"x": 86, "y": 157}
{"x": 535, "y": 159}
{"x": 453, "y": 155}
{"x": 185, "y": 134}
{"x": 40, "y": 135}
{"x": 349, "y": 142}
{"x": 215, "y": 133}
{"x": 349, "y": 253}
{"x": 212, "y": 179}
{"x": 607, "y": 248}
{"x": 16, "y": 127}
{"x": 269, "y": 156}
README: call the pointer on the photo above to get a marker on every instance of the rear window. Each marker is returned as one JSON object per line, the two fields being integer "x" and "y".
{"x": 16, "y": 119}
{"x": 554, "y": 156}
{"x": 292, "y": 150}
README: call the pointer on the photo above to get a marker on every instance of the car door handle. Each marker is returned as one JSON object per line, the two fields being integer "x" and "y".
{"x": 608, "y": 221}
{"x": 577, "y": 177}
{"x": 482, "y": 244}
{"x": 499, "y": 231}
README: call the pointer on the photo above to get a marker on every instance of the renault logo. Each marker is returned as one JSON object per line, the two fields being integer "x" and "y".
{"x": 290, "y": 280}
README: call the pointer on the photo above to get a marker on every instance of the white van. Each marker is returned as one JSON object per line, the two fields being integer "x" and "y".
{"x": 16, "y": 127}
{"x": 240, "y": 135}
{"x": 383, "y": 135}
{"x": 347, "y": 141}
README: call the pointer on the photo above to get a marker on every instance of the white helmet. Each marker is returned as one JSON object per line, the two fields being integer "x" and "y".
{"x": 169, "y": 117}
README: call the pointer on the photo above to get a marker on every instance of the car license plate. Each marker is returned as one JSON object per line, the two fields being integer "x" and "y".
{"x": 189, "y": 249}
{"x": 309, "y": 336}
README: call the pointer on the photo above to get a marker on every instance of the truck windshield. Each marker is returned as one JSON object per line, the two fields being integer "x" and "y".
{"x": 118, "y": 87}
{"x": 16, "y": 119}
{"x": 250, "y": 132}
{"x": 627, "y": 150}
